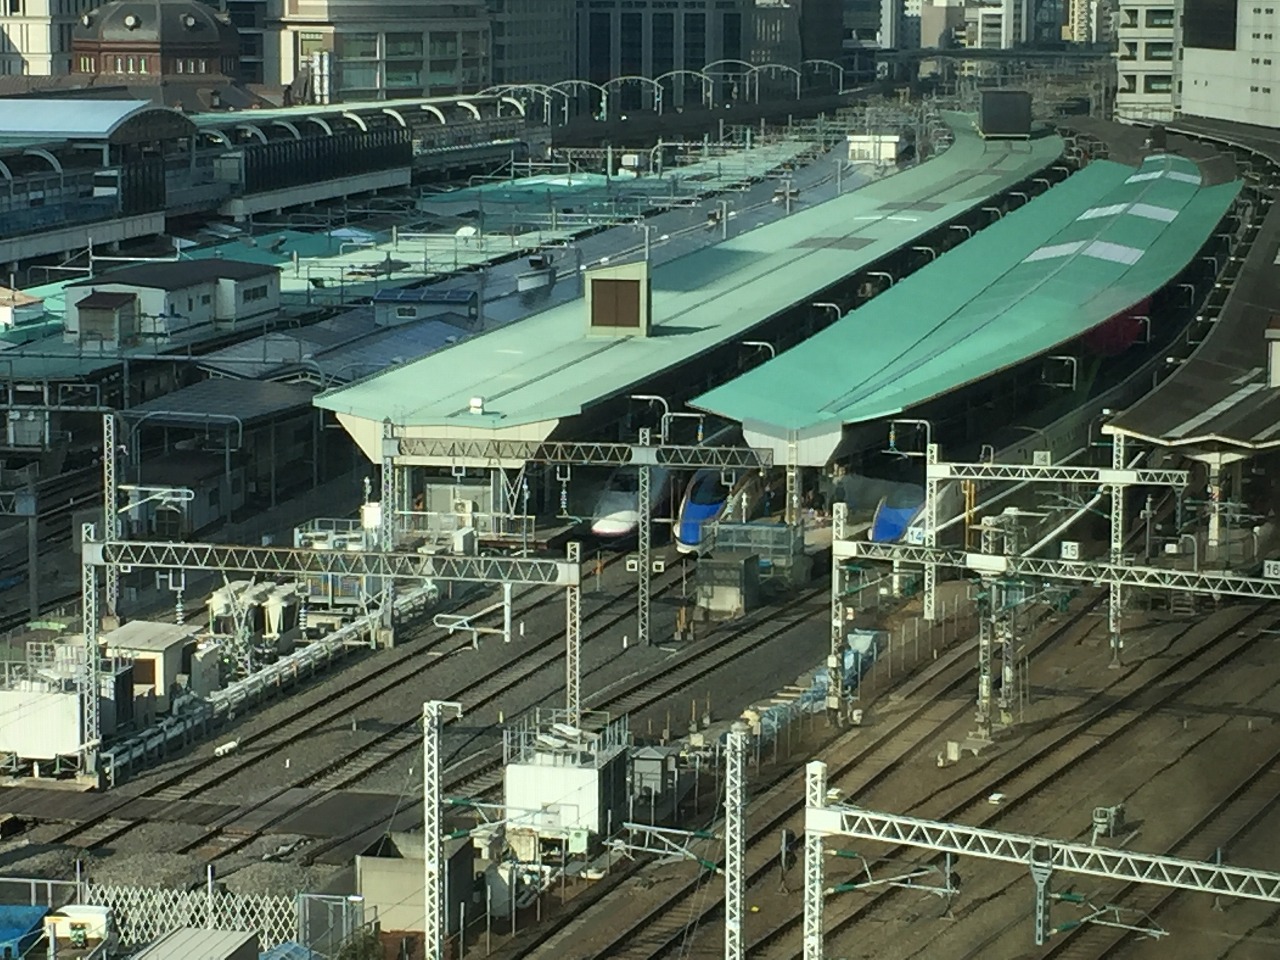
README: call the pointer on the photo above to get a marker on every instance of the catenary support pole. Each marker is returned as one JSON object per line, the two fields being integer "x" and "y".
{"x": 815, "y": 799}
{"x": 88, "y": 686}
{"x": 835, "y": 659}
{"x": 644, "y": 505}
{"x": 735, "y": 798}
{"x": 573, "y": 642}
{"x": 110, "y": 512}
{"x": 1115, "y": 594}
{"x": 932, "y": 490}
{"x": 433, "y": 879}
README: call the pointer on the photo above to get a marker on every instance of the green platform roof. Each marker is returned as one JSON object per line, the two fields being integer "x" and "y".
{"x": 1089, "y": 248}
{"x": 538, "y": 371}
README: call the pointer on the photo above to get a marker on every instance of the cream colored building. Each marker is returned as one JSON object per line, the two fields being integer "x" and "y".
{"x": 35, "y": 35}
{"x": 1147, "y": 38}
{"x": 1234, "y": 74}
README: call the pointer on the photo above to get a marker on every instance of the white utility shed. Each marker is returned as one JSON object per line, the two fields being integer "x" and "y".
{"x": 157, "y": 652}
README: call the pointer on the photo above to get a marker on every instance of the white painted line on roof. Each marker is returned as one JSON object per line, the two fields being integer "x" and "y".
{"x": 1093, "y": 213}
{"x": 1246, "y": 377}
{"x": 1219, "y": 408}
{"x": 1152, "y": 212}
{"x": 1113, "y": 252}
{"x": 1056, "y": 250}
{"x": 1167, "y": 174}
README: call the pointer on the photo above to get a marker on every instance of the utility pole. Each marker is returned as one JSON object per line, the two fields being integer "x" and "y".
{"x": 644, "y": 505}
{"x": 433, "y": 887}
{"x": 735, "y": 797}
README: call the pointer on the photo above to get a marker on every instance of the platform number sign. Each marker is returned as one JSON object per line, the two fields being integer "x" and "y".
{"x": 1070, "y": 550}
{"x": 1271, "y": 569}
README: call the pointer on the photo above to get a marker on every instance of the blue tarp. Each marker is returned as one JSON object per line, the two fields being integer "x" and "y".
{"x": 289, "y": 951}
{"x": 20, "y": 928}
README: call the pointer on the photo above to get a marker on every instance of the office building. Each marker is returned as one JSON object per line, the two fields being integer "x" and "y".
{"x": 1231, "y": 60}
{"x": 1147, "y": 37}
{"x": 534, "y": 41}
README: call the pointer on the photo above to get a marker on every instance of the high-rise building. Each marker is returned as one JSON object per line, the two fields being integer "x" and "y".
{"x": 1089, "y": 22}
{"x": 1147, "y": 38}
{"x": 648, "y": 38}
{"x": 382, "y": 49}
{"x": 1231, "y": 60}
{"x": 35, "y": 35}
{"x": 534, "y": 41}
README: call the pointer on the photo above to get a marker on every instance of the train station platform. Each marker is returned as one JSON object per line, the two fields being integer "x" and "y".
{"x": 1223, "y": 399}
{"x": 535, "y": 375}
{"x": 1090, "y": 248}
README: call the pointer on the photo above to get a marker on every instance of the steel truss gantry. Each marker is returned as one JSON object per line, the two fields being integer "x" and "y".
{"x": 433, "y": 714}
{"x": 124, "y": 555}
{"x": 1042, "y": 856}
{"x": 515, "y": 454}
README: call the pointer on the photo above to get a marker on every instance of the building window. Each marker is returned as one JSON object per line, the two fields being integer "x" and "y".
{"x": 119, "y": 64}
{"x": 1159, "y": 18}
{"x": 406, "y": 313}
{"x": 358, "y": 46}
{"x": 408, "y": 45}
{"x": 443, "y": 45}
{"x": 86, "y": 64}
{"x": 206, "y": 300}
{"x": 1157, "y": 83}
{"x": 255, "y": 293}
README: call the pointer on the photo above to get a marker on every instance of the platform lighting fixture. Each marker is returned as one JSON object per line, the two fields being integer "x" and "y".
{"x": 833, "y": 307}
{"x": 666, "y": 411}
{"x": 765, "y": 344}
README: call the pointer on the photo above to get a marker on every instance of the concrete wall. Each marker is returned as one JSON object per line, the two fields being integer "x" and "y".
{"x": 241, "y": 208}
{"x": 55, "y": 242}
{"x": 394, "y": 886}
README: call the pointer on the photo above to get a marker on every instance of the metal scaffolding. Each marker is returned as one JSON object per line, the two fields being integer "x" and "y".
{"x": 1042, "y": 856}
{"x": 735, "y": 801}
{"x": 433, "y": 712}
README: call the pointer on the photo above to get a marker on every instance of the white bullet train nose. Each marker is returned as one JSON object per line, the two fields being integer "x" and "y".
{"x": 618, "y": 524}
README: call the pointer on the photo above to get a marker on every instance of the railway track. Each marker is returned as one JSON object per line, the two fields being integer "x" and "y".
{"x": 1109, "y": 716}
{"x": 312, "y": 713}
{"x": 664, "y": 929}
{"x": 480, "y": 775}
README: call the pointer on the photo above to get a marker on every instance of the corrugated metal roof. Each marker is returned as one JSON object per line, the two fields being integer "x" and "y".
{"x": 1045, "y": 274}
{"x": 546, "y": 368}
{"x": 149, "y": 635}
{"x": 68, "y": 119}
{"x": 247, "y": 400}
{"x": 396, "y": 345}
{"x": 189, "y": 943}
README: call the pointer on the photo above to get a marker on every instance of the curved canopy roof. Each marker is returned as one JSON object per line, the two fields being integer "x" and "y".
{"x": 1087, "y": 249}
{"x": 84, "y": 119}
{"x": 536, "y": 372}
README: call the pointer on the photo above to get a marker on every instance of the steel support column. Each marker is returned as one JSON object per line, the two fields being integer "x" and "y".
{"x": 1115, "y": 593}
{"x": 816, "y": 799}
{"x": 88, "y": 681}
{"x": 987, "y": 604}
{"x": 1007, "y": 634}
{"x": 433, "y": 875}
{"x": 1041, "y": 872}
{"x": 387, "y": 530}
{"x": 835, "y": 659}
{"x": 932, "y": 484}
{"x": 643, "y": 529}
{"x": 735, "y": 794}
{"x": 110, "y": 511}
{"x": 792, "y": 507}
{"x": 573, "y": 642}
